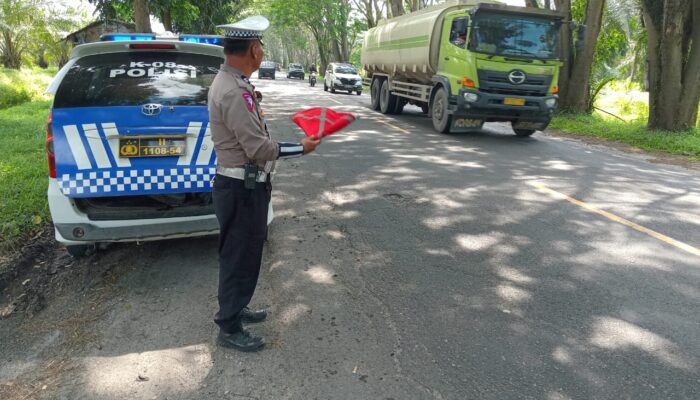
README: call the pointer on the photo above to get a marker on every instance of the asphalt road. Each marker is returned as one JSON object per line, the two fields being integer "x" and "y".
{"x": 407, "y": 264}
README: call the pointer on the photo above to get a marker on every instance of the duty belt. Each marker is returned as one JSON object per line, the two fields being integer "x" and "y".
{"x": 239, "y": 173}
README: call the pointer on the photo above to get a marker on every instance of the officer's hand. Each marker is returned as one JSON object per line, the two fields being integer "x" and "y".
{"x": 309, "y": 144}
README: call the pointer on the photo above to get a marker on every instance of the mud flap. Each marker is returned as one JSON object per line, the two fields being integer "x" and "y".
{"x": 462, "y": 124}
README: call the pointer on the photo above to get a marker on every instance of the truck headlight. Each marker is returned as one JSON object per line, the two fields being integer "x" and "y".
{"x": 471, "y": 97}
{"x": 550, "y": 103}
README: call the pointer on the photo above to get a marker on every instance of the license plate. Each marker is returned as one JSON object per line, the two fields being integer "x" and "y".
{"x": 510, "y": 101}
{"x": 152, "y": 146}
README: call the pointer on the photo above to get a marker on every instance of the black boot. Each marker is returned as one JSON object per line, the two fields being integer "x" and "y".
{"x": 252, "y": 316}
{"x": 240, "y": 340}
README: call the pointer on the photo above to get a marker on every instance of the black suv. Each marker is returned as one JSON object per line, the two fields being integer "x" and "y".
{"x": 267, "y": 70}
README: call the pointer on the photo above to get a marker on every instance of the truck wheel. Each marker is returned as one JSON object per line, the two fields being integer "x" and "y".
{"x": 374, "y": 90}
{"x": 523, "y": 132}
{"x": 425, "y": 108}
{"x": 387, "y": 101}
{"x": 441, "y": 119}
{"x": 400, "y": 103}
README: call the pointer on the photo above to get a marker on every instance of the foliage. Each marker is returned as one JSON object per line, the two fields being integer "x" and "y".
{"x": 23, "y": 171}
{"x": 31, "y": 31}
{"x": 19, "y": 21}
{"x": 633, "y": 133}
{"x": 17, "y": 87}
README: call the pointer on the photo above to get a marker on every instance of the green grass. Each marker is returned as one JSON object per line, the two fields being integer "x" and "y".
{"x": 23, "y": 171}
{"x": 632, "y": 132}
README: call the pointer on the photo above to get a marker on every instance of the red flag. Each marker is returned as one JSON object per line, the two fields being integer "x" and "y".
{"x": 319, "y": 122}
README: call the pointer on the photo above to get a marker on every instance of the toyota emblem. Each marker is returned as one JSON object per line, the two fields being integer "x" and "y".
{"x": 151, "y": 109}
{"x": 516, "y": 77}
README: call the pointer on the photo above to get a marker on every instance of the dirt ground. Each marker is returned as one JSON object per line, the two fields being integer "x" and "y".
{"x": 43, "y": 274}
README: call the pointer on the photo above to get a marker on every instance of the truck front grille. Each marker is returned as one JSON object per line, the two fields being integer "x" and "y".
{"x": 497, "y": 82}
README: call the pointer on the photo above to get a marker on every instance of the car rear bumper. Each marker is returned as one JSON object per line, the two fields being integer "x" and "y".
{"x": 74, "y": 227}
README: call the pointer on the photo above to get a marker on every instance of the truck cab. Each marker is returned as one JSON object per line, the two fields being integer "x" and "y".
{"x": 501, "y": 66}
{"x": 467, "y": 62}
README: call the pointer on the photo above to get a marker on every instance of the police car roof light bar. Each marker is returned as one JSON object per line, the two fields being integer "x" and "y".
{"x": 152, "y": 46}
{"x": 207, "y": 39}
{"x": 112, "y": 37}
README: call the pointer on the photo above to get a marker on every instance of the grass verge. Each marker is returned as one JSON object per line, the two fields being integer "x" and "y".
{"x": 633, "y": 133}
{"x": 23, "y": 172}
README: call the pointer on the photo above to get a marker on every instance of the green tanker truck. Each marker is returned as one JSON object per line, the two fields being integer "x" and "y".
{"x": 467, "y": 62}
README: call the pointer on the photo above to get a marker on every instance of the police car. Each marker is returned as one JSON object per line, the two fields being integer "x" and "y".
{"x": 129, "y": 148}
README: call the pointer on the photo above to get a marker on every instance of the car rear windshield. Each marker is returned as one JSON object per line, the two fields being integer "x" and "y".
{"x": 267, "y": 64}
{"x": 134, "y": 78}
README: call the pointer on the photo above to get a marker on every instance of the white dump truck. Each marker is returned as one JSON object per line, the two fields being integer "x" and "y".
{"x": 467, "y": 62}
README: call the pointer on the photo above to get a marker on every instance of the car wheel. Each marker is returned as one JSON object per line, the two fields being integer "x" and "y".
{"x": 523, "y": 132}
{"x": 325, "y": 87}
{"x": 387, "y": 101}
{"x": 81, "y": 250}
{"x": 441, "y": 118}
{"x": 374, "y": 90}
{"x": 359, "y": 92}
{"x": 332, "y": 89}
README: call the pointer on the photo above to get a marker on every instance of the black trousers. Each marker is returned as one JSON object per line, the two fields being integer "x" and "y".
{"x": 242, "y": 216}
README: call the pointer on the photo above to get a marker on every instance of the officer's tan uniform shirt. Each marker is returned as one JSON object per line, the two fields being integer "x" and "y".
{"x": 237, "y": 127}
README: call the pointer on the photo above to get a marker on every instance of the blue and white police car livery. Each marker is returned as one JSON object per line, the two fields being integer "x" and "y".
{"x": 129, "y": 146}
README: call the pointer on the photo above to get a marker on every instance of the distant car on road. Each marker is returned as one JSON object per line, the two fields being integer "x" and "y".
{"x": 267, "y": 70}
{"x": 295, "y": 71}
{"x": 342, "y": 76}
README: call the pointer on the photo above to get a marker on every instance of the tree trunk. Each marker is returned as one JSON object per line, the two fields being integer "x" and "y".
{"x": 673, "y": 35}
{"x": 167, "y": 20}
{"x": 575, "y": 99}
{"x": 142, "y": 16}
{"x": 397, "y": 8}
{"x": 565, "y": 47}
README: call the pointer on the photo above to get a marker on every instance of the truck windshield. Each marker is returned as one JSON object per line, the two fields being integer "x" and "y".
{"x": 515, "y": 35}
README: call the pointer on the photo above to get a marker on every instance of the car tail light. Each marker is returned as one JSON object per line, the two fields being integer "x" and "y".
{"x": 49, "y": 147}
{"x": 158, "y": 46}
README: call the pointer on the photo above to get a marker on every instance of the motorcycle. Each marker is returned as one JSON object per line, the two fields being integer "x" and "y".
{"x": 312, "y": 79}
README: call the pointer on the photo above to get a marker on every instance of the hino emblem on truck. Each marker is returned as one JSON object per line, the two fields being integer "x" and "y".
{"x": 150, "y": 109}
{"x": 516, "y": 77}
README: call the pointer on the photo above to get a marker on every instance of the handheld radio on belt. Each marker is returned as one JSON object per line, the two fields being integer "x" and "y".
{"x": 251, "y": 174}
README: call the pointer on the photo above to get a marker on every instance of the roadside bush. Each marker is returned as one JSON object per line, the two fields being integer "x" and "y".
{"x": 12, "y": 95}
{"x": 21, "y": 86}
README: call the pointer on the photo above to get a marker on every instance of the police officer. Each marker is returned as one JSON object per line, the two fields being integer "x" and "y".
{"x": 245, "y": 160}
